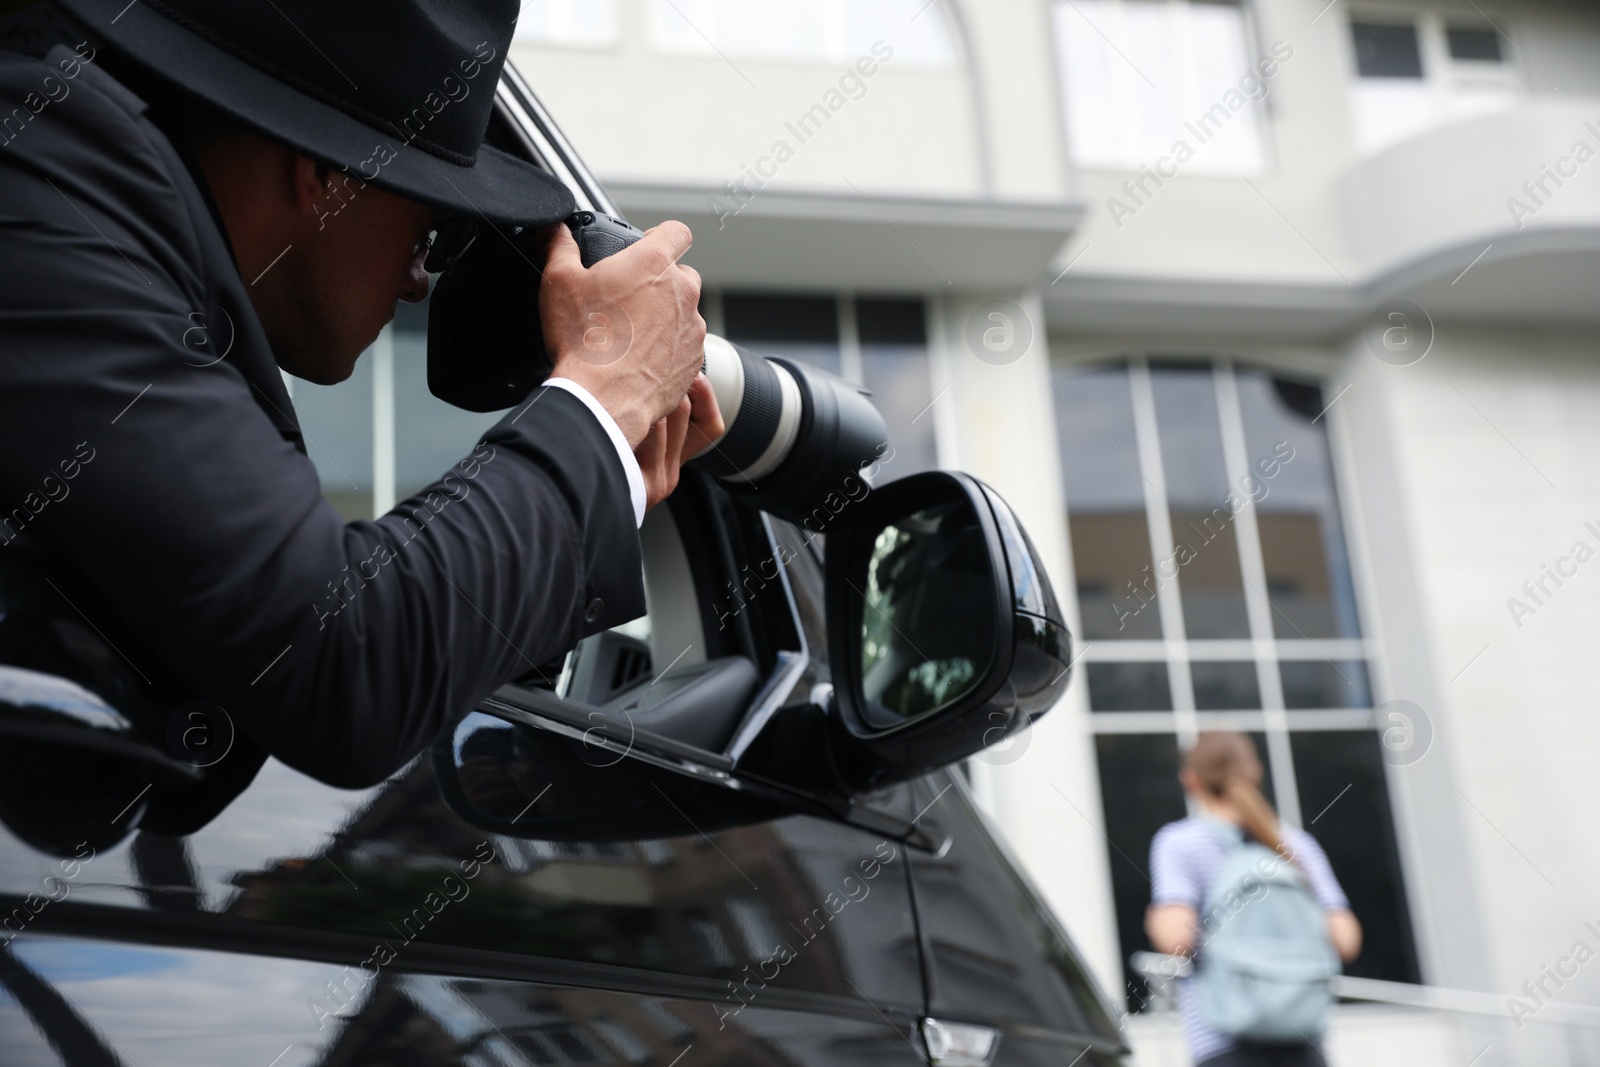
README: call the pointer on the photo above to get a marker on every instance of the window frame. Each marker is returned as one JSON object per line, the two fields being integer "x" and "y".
{"x": 1251, "y": 47}
{"x": 852, "y": 357}
{"x": 1263, "y": 647}
{"x": 1446, "y": 84}
{"x": 1372, "y": 645}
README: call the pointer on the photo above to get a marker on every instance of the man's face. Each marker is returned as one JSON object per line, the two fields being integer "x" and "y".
{"x": 340, "y": 281}
{"x": 323, "y": 257}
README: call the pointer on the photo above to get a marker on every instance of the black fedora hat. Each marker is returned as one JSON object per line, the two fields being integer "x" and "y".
{"x": 393, "y": 92}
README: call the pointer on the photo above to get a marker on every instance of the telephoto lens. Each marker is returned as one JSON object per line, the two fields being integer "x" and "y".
{"x": 795, "y": 436}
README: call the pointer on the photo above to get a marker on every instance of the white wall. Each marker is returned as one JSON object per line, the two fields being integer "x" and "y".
{"x": 1046, "y": 796}
{"x": 634, "y": 112}
{"x": 1494, "y": 440}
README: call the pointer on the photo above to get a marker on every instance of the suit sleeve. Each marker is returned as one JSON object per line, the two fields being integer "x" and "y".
{"x": 342, "y": 649}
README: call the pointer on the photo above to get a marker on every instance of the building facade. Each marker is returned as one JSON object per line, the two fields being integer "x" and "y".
{"x": 1275, "y": 322}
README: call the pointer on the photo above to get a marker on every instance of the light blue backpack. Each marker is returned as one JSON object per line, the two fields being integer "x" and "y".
{"x": 1265, "y": 959}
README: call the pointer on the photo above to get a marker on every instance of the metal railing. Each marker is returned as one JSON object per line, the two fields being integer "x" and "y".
{"x": 1553, "y": 1034}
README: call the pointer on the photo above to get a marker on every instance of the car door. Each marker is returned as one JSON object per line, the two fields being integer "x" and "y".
{"x": 524, "y": 893}
{"x": 995, "y": 954}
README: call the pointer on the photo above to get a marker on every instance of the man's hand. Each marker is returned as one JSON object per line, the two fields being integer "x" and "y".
{"x": 627, "y": 329}
{"x": 684, "y": 433}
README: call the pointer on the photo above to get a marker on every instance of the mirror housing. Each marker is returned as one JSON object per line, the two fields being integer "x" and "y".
{"x": 944, "y": 633}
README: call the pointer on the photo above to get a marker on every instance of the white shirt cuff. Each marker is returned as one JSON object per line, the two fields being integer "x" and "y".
{"x": 630, "y": 465}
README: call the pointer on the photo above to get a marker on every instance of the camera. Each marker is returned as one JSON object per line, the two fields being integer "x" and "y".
{"x": 794, "y": 433}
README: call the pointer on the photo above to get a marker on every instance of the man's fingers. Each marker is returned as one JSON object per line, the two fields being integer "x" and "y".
{"x": 653, "y": 448}
{"x": 705, "y": 418}
{"x": 677, "y": 425}
{"x": 657, "y": 456}
{"x": 668, "y": 242}
{"x": 677, "y": 429}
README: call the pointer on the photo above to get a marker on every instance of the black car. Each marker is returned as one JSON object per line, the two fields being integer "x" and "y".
{"x": 733, "y": 831}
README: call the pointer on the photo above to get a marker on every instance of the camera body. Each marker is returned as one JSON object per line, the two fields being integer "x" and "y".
{"x": 599, "y": 236}
{"x": 795, "y": 436}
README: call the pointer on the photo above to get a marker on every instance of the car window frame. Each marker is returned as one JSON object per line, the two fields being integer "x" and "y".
{"x": 519, "y": 113}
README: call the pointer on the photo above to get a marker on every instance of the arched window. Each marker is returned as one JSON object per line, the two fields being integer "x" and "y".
{"x": 1215, "y": 592}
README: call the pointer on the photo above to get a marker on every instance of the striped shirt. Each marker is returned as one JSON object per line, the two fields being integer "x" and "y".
{"x": 1184, "y": 859}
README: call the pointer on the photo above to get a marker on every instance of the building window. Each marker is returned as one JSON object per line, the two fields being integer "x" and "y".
{"x": 1215, "y": 592}
{"x": 1139, "y": 78}
{"x": 1419, "y": 73}
{"x": 568, "y": 23}
{"x": 1474, "y": 45}
{"x": 806, "y": 31}
{"x": 877, "y": 342}
{"x": 1384, "y": 51}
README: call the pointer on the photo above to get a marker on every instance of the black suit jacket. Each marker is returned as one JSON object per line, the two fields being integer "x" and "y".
{"x": 148, "y": 445}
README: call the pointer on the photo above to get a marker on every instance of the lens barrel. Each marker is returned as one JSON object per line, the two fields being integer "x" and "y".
{"x": 760, "y": 405}
{"x": 796, "y": 438}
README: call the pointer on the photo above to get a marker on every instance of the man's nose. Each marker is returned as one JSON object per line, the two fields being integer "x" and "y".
{"x": 414, "y": 290}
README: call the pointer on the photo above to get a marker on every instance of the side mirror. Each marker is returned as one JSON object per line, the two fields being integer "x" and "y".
{"x": 944, "y": 634}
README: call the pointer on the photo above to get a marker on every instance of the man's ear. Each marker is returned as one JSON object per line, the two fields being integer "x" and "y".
{"x": 308, "y": 183}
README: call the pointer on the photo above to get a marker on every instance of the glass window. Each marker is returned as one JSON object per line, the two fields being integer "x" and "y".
{"x": 811, "y": 31}
{"x": 1416, "y": 75}
{"x": 1139, "y": 76}
{"x": 1224, "y": 477}
{"x": 1325, "y": 684}
{"x": 803, "y": 328}
{"x": 894, "y": 365}
{"x": 1302, "y": 534}
{"x": 878, "y": 342}
{"x": 1222, "y": 686}
{"x": 1341, "y": 776}
{"x": 1129, "y": 687}
{"x": 1205, "y": 544}
{"x": 1147, "y": 797}
{"x": 1386, "y": 51}
{"x": 1474, "y": 44}
{"x": 1106, "y": 506}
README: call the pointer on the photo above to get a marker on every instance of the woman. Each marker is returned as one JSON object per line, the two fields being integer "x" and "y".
{"x": 1223, "y": 775}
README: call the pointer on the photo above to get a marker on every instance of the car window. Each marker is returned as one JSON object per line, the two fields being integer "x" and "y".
{"x": 719, "y": 636}
{"x": 800, "y": 550}
{"x": 668, "y": 636}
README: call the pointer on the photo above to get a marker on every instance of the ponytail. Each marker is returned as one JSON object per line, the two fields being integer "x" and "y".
{"x": 1227, "y": 768}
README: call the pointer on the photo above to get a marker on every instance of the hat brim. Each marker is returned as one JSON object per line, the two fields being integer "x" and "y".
{"x": 499, "y": 187}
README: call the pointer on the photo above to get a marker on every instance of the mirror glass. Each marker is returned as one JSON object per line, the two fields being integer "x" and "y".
{"x": 927, "y": 624}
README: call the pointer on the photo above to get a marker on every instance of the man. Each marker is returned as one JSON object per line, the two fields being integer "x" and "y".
{"x": 197, "y": 194}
